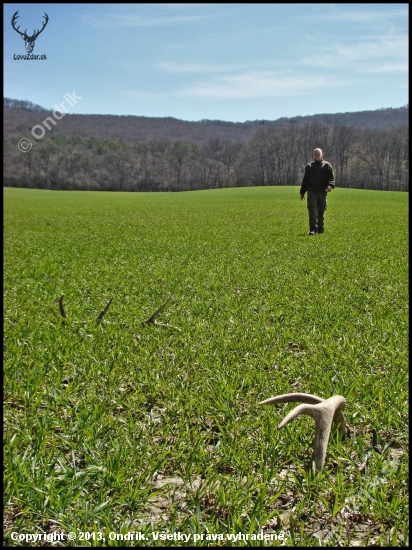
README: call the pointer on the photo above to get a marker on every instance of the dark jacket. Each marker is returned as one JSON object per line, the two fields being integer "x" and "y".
{"x": 318, "y": 175}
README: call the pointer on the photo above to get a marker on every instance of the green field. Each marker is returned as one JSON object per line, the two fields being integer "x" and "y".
{"x": 120, "y": 426}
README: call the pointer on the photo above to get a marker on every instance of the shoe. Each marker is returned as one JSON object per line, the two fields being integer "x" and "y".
{"x": 312, "y": 232}
{"x": 320, "y": 231}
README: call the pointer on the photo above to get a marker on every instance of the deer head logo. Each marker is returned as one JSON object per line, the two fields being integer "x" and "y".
{"x": 29, "y": 40}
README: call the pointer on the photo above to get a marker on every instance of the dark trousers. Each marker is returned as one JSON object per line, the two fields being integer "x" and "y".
{"x": 316, "y": 208}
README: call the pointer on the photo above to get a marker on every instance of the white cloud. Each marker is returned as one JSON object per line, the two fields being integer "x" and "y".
{"x": 357, "y": 16}
{"x": 387, "y": 68}
{"x": 127, "y": 20}
{"x": 382, "y": 48}
{"x": 176, "y": 67}
{"x": 253, "y": 85}
{"x": 363, "y": 56}
{"x": 249, "y": 85}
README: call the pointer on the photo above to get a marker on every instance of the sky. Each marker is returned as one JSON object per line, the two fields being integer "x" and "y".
{"x": 231, "y": 62}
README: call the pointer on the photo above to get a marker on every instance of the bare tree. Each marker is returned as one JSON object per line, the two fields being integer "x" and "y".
{"x": 341, "y": 146}
{"x": 178, "y": 155}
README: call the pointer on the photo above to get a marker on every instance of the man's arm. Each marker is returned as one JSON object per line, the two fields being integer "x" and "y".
{"x": 331, "y": 177}
{"x": 303, "y": 187}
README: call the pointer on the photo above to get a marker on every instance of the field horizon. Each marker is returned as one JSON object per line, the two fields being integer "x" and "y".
{"x": 122, "y": 426}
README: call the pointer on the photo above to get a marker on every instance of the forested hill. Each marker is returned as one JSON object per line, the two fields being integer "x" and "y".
{"x": 368, "y": 150}
{"x": 21, "y": 116}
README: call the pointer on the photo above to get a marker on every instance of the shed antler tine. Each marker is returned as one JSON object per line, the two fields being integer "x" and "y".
{"x": 61, "y": 307}
{"x": 300, "y": 409}
{"x": 324, "y": 412}
{"x": 152, "y": 319}
{"x": 103, "y": 312}
{"x": 292, "y": 398}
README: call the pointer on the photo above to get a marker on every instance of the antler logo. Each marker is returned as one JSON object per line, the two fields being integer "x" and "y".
{"x": 29, "y": 40}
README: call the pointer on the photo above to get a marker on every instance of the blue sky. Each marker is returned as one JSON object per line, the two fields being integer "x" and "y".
{"x": 232, "y": 62}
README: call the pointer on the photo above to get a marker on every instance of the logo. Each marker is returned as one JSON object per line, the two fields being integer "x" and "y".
{"x": 24, "y": 145}
{"x": 29, "y": 41}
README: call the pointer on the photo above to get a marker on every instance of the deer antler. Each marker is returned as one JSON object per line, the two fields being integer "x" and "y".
{"x": 103, "y": 312}
{"x": 61, "y": 306}
{"x": 13, "y": 22}
{"x": 152, "y": 319}
{"x": 98, "y": 318}
{"x": 325, "y": 412}
{"x": 46, "y": 20}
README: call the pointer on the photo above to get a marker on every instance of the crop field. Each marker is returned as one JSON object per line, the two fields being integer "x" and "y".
{"x": 115, "y": 428}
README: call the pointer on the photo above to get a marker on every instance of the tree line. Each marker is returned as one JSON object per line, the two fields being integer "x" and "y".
{"x": 362, "y": 158}
{"x": 23, "y": 105}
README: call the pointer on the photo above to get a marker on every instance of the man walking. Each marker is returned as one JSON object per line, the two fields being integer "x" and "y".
{"x": 317, "y": 182}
